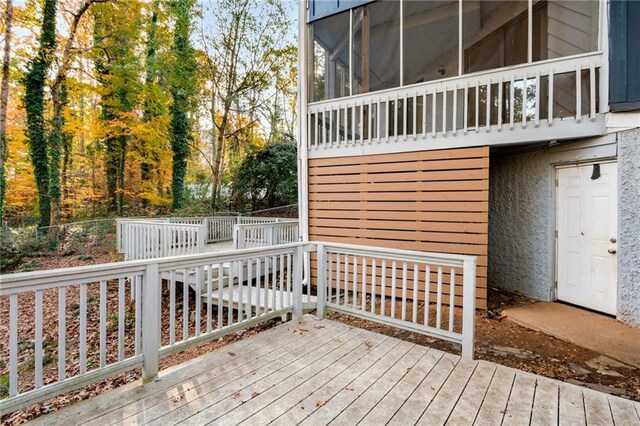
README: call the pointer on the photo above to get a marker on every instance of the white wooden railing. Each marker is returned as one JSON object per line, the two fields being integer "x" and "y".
{"x": 151, "y": 239}
{"x": 98, "y": 333}
{"x": 522, "y": 103}
{"x": 218, "y": 228}
{"x": 265, "y": 234}
{"x": 406, "y": 289}
{"x": 83, "y": 328}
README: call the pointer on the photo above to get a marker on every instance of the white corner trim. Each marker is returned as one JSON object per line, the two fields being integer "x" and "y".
{"x": 618, "y": 121}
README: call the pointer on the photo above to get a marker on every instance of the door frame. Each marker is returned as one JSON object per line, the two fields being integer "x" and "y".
{"x": 555, "y": 168}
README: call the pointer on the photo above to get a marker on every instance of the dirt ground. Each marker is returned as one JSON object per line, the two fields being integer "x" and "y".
{"x": 504, "y": 342}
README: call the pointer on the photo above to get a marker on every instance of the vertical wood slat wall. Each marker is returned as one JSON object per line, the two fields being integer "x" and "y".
{"x": 427, "y": 200}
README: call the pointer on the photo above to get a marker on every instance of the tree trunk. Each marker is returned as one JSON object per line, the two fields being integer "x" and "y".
{"x": 112, "y": 162}
{"x": 34, "y": 104}
{"x": 67, "y": 159}
{"x": 150, "y": 111}
{"x": 4, "y": 101}
{"x": 220, "y": 140}
{"x": 58, "y": 97}
{"x": 121, "y": 170}
{"x": 183, "y": 90}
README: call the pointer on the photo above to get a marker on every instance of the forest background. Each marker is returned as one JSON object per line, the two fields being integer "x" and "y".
{"x": 142, "y": 108}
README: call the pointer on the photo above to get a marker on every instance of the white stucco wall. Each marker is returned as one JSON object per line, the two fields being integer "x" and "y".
{"x": 629, "y": 227}
{"x": 522, "y": 216}
{"x": 520, "y": 223}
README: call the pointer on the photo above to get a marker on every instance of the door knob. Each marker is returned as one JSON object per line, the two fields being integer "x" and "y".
{"x": 612, "y": 251}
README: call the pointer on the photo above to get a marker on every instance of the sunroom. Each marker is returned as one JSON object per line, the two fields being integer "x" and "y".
{"x": 447, "y": 74}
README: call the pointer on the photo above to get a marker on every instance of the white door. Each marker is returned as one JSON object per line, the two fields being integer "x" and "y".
{"x": 587, "y": 236}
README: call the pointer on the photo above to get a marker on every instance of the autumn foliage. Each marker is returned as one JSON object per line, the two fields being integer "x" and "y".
{"x": 141, "y": 107}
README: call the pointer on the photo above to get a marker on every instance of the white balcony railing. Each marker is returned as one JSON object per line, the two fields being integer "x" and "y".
{"x": 553, "y": 99}
{"x": 265, "y": 234}
{"x": 149, "y": 238}
{"x": 105, "y": 334}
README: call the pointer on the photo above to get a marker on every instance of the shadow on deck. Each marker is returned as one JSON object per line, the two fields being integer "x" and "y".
{"x": 320, "y": 371}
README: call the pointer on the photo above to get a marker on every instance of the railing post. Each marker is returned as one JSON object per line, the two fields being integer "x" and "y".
{"x": 271, "y": 239}
{"x": 201, "y": 238}
{"x": 150, "y": 322}
{"x": 118, "y": 236}
{"x": 321, "y": 285}
{"x": 297, "y": 282}
{"x": 205, "y": 223}
{"x": 468, "y": 307}
{"x": 165, "y": 241}
{"x": 235, "y": 236}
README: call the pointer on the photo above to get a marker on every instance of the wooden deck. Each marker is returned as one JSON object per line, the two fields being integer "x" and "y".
{"x": 320, "y": 372}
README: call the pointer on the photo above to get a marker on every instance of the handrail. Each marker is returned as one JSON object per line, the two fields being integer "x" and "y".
{"x": 560, "y": 65}
{"x": 474, "y": 109}
{"x": 373, "y": 276}
{"x": 347, "y": 279}
{"x": 265, "y": 234}
{"x": 445, "y": 259}
{"x": 103, "y": 290}
{"x": 218, "y": 228}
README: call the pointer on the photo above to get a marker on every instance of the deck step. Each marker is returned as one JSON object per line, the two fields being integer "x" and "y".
{"x": 250, "y": 294}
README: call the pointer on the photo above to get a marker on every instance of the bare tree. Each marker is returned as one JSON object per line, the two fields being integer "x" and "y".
{"x": 239, "y": 60}
{"x": 58, "y": 101}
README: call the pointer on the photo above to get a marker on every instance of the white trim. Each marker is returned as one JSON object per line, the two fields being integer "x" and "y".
{"x": 530, "y": 32}
{"x": 350, "y": 52}
{"x": 401, "y": 43}
{"x": 559, "y": 130}
{"x": 460, "y": 36}
{"x": 603, "y": 46}
{"x": 618, "y": 121}
{"x": 303, "y": 171}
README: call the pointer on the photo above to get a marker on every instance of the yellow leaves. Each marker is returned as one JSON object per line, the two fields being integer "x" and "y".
{"x": 21, "y": 188}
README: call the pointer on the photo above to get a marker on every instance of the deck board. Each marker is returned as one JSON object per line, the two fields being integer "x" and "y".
{"x": 545, "y": 403}
{"x": 414, "y": 406}
{"x": 467, "y": 407}
{"x": 571, "y": 410}
{"x": 379, "y": 389}
{"x": 218, "y": 400}
{"x": 273, "y": 406}
{"x": 438, "y": 411}
{"x": 387, "y": 407}
{"x": 321, "y": 372}
{"x": 597, "y": 408}
{"x": 521, "y": 399}
{"x": 357, "y": 387}
{"x": 271, "y": 395}
{"x": 495, "y": 401}
{"x": 304, "y": 408}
